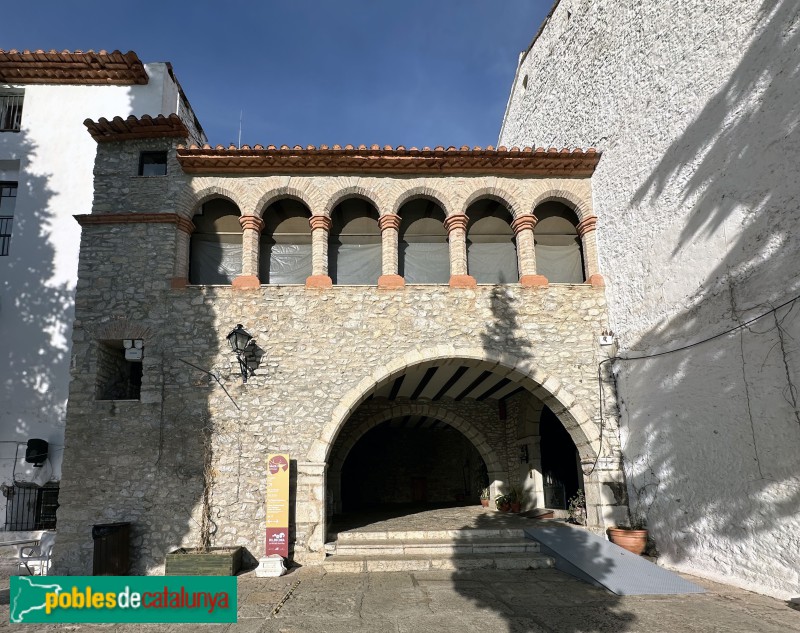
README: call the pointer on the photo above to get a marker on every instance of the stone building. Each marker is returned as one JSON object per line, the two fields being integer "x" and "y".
{"x": 426, "y": 322}
{"x": 46, "y": 163}
{"x": 696, "y": 113}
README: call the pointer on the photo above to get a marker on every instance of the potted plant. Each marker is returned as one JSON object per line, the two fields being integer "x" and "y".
{"x": 485, "y": 497}
{"x": 632, "y": 538}
{"x": 514, "y": 497}
{"x": 576, "y": 510}
{"x": 502, "y": 503}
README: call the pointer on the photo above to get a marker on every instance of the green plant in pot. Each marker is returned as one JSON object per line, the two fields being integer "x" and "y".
{"x": 485, "y": 497}
{"x": 515, "y": 497}
{"x": 502, "y": 503}
{"x": 576, "y": 509}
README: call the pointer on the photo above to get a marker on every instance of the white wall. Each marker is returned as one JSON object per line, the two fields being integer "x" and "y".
{"x": 694, "y": 105}
{"x": 52, "y": 158}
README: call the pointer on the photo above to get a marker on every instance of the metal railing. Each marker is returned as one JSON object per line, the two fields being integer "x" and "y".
{"x": 11, "y": 112}
{"x": 31, "y": 508}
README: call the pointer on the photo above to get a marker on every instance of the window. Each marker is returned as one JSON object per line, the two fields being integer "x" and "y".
{"x": 117, "y": 377}
{"x": 559, "y": 256}
{"x": 354, "y": 244}
{"x": 153, "y": 164}
{"x": 8, "y": 200}
{"x": 215, "y": 255}
{"x": 30, "y": 507}
{"x": 285, "y": 246}
{"x": 10, "y": 111}
{"x": 491, "y": 250}
{"x": 423, "y": 252}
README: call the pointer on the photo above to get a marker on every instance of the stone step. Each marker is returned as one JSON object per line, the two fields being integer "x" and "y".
{"x": 466, "y": 534}
{"x": 386, "y": 563}
{"x": 433, "y": 547}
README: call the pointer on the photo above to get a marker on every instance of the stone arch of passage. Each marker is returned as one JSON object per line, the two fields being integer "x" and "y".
{"x": 584, "y": 431}
{"x": 469, "y": 430}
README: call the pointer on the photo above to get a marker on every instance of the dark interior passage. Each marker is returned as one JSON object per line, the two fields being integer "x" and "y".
{"x": 396, "y": 465}
{"x": 560, "y": 462}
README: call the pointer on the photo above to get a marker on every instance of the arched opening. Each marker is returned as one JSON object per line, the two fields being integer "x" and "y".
{"x": 285, "y": 243}
{"x": 491, "y": 250}
{"x": 559, "y": 255}
{"x": 560, "y": 467}
{"x": 354, "y": 243}
{"x": 410, "y": 462}
{"x": 215, "y": 251}
{"x": 423, "y": 253}
{"x": 435, "y": 434}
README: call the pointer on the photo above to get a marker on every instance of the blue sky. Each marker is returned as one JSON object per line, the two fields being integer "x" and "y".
{"x": 416, "y": 72}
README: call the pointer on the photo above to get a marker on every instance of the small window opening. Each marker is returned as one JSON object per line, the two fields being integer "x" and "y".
{"x": 117, "y": 377}
{"x": 525, "y": 82}
{"x": 30, "y": 507}
{"x": 8, "y": 199}
{"x": 11, "y": 111}
{"x": 153, "y": 164}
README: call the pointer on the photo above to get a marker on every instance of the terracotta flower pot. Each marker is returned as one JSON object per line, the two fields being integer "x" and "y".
{"x": 516, "y": 507}
{"x": 485, "y": 503}
{"x": 635, "y": 541}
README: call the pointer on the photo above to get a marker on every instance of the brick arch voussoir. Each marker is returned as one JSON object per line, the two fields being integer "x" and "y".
{"x": 472, "y": 433}
{"x": 576, "y": 201}
{"x": 347, "y": 193}
{"x": 424, "y": 191}
{"x": 498, "y": 194}
{"x": 195, "y": 195}
{"x": 309, "y": 197}
{"x": 582, "y": 429}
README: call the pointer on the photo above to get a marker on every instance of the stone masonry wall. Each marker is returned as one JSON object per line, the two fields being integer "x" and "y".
{"x": 142, "y": 461}
{"x": 694, "y": 106}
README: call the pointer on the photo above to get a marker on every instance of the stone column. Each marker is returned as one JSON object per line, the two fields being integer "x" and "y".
{"x": 606, "y": 493}
{"x": 389, "y": 225}
{"x": 309, "y": 514}
{"x": 526, "y": 252}
{"x": 588, "y": 234}
{"x": 251, "y": 234}
{"x": 320, "y": 226}
{"x": 456, "y": 227}
{"x": 183, "y": 236}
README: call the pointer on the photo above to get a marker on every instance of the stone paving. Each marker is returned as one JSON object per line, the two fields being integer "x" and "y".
{"x": 438, "y": 601}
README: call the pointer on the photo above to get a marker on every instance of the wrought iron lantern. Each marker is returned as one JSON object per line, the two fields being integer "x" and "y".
{"x": 239, "y": 339}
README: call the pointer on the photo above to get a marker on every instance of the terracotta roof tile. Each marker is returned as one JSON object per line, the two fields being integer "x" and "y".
{"x": 104, "y": 131}
{"x": 272, "y": 160}
{"x": 71, "y": 67}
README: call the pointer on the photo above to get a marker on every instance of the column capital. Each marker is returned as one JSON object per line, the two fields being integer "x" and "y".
{"x": 389, "y": 221}
{"x": 589, "y": 224}
{"x": 251, "y": 222}
{"x": 454, "y": 222}
{"x": 527, "y": 221}
{"x": 320, "y": 222}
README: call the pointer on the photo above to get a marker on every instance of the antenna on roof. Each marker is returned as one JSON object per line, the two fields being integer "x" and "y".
{"x": 239, "y": 144}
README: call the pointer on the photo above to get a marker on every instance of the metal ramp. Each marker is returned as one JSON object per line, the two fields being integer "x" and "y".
{"x": 599, "y": 562}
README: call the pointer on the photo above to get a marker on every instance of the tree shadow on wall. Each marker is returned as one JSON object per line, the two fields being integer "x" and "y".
{"x": 501, "y": 333}
{"x": 36, "y": 314}
{"x": 710, "y": 453}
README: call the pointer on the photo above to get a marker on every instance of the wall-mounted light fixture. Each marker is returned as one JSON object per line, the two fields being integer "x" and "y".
{"x": 239, "y": 339}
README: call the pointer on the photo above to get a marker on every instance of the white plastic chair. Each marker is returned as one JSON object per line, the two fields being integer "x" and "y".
{"x": 34, "y": 557}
